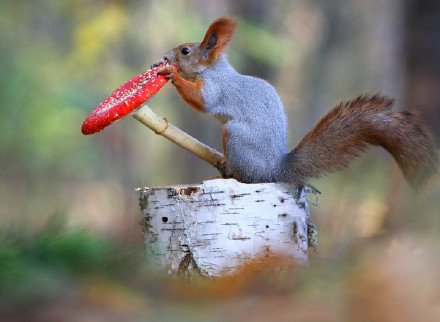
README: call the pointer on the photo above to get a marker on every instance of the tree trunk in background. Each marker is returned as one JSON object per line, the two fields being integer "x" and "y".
{"x": 360, "y": 52}
{"x": 423, "y": 59}
{"x": 422, "y": 89}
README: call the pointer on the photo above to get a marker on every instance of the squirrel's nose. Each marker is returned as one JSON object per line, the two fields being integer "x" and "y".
{"x": 169, "y": 56}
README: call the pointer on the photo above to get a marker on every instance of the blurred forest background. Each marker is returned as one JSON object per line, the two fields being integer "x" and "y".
{"x": 70, "y": 240}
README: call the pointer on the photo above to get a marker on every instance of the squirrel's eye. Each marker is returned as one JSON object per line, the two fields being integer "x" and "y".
{"x": 185, "y": 50}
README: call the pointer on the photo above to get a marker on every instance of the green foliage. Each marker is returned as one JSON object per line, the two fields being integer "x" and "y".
{"x": 43, "y": 264}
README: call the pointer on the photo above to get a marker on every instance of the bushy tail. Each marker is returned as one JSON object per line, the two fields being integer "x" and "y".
{"x": 350, "y": 127}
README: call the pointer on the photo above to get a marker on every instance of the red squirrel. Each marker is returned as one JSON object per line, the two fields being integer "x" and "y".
{"x": 254, "y": 132}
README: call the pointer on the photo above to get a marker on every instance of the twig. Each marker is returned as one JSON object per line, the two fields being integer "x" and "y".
{"x": 161, "y": 126}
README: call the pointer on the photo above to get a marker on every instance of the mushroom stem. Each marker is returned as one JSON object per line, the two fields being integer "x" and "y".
{"x": 161, "y": 126}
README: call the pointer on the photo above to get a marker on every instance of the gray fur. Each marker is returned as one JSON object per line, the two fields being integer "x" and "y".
{"x": 252, "y": 113}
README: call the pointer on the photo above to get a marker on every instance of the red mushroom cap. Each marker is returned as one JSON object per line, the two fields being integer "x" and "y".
{"x": 125, "y": 99}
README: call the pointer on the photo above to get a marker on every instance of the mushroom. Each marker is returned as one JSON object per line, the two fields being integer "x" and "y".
{"x": 124, "y": 100}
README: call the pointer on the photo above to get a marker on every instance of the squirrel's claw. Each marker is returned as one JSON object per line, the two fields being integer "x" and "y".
{"x": 167, "y": 71}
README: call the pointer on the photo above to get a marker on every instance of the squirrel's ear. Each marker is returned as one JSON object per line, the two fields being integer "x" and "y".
{"x": 218, "y": 36}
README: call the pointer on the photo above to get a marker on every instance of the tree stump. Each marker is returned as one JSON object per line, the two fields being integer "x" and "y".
{"x": 212, "y": 228}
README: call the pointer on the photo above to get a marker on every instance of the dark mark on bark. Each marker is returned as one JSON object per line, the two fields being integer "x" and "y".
{"x": 211, "y": 192}
{"x": 189, "y": 191}
{"x": 295, "y": 232}
{"x": 146, "y": 223}
{"x": 163, "y": 206}
{"x": 212, "y": 234}
{"x": 215, "y": 251}
{"x": 171, "y": 192}
{"x": 185, "y": 248}
{"x": 240, "y": 195}
{"x": 212, "y": 204}
{"x": 188, "y": 267}
{"x": 201, "y": 200}
{"x": 259, "y": 200}
{"x": 240, "y": 238}
{"x": 295, "y": 227}
{"x": 143, "y": 201}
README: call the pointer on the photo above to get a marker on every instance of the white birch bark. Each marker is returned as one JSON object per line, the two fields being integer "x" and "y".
{"x": 212, "y": 228}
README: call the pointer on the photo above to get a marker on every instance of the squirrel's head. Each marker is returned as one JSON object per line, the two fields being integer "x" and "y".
{"x": 193, "y": 58}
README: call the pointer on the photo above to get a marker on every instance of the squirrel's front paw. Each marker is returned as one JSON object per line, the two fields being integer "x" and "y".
{"x": 168, "y": 71}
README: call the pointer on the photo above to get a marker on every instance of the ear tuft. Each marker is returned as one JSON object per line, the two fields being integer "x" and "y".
{"x": 218, "y": 36}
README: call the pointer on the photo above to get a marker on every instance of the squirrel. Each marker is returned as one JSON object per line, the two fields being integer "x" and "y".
{"x": 254, "y": 126}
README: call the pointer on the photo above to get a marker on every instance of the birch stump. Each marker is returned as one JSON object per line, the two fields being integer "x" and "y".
{"x": 212, "y": 228}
